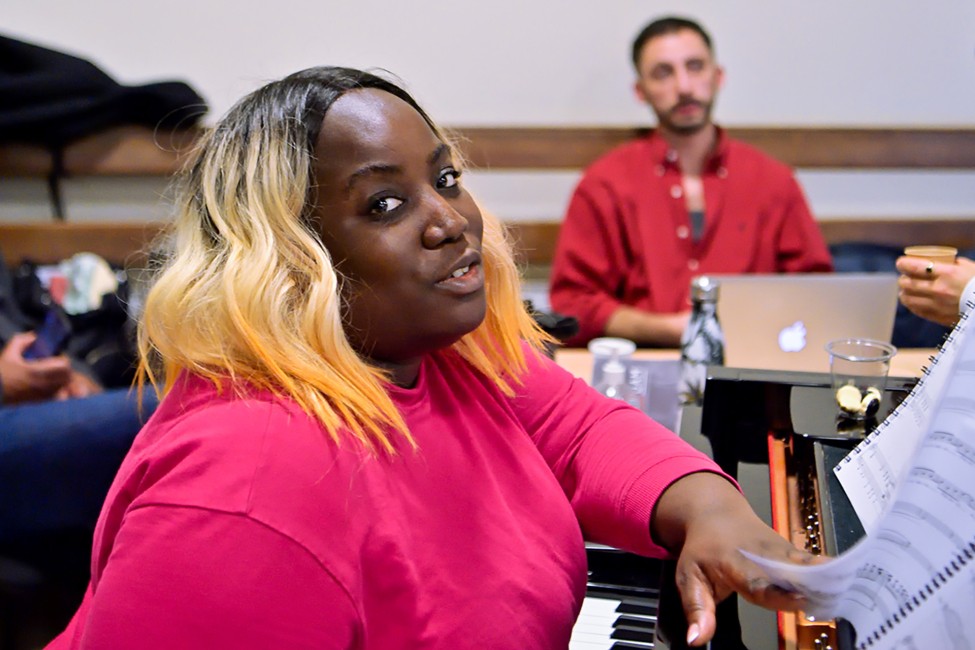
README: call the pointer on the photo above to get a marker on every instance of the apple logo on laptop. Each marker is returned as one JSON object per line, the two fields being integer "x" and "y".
{"x": 792, "y": 338}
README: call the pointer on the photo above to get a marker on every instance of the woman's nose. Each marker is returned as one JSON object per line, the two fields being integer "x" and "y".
{"x": 445, "y": 224}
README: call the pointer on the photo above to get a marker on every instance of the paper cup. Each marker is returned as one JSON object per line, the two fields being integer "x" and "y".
{"x": 937, "y": 254}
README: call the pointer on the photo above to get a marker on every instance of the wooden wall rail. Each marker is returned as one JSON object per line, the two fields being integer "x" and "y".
{"x": 535, "y": 241}
{"x": 123, "y": 151}
{"x": 576, "y": 147}
{"x": 137, "y": 151}
{"x": 128, "y": 243}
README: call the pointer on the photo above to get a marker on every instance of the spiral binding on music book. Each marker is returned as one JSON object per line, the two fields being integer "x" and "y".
{"x": 964, "y": 556}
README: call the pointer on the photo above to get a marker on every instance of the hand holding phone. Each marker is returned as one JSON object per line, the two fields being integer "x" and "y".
{"x": 52, "y": 336}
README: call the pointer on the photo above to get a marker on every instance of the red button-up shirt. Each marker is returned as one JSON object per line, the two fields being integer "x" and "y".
{"x": 626, "y": 238}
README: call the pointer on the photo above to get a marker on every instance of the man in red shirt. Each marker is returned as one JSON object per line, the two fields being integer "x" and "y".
{"x": 685, "y": 200}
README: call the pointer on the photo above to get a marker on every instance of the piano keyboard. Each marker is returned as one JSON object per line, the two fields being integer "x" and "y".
{"x": 619, "y": 611}
{"x": 607, "y": 623}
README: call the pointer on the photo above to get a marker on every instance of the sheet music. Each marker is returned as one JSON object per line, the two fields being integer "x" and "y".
{"x": 871, "y": 471}
{"x": 910, "y": 583}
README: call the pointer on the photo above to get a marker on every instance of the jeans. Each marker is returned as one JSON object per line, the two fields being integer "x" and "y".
{"x": 58, "y": 460}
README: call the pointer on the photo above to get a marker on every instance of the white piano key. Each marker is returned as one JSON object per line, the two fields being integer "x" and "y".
{"x": 594, "y": 624}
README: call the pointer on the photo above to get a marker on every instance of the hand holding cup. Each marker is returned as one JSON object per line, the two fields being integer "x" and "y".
{"x": 932, "y": 281}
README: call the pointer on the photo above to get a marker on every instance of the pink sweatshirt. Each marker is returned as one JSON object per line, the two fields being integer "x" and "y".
{"x": 236, "y": 522}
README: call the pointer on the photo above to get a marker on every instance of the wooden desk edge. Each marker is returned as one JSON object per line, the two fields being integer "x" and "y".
{"x": 578, "y": 361}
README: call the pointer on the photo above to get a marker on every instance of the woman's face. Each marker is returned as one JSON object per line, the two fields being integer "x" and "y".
{"x": 399, "y": 227}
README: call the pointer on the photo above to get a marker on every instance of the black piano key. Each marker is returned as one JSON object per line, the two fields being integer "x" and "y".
{"x": 634, "y": 621}
{"x": 630, "y": 645}
{"x": 621, "y": 591}
{"x": 644, "y": 606}
{"x": 628, "y": 633}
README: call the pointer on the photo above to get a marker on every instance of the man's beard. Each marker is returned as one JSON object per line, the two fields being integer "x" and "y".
{"x": 685, "y": 128}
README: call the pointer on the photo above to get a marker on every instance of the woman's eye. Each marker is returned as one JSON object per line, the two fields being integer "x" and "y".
{"x": 450, "y": 178}
{"x": 385, "y": 204}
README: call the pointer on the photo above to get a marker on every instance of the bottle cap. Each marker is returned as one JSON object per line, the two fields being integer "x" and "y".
{"x": 704, "y": 288}
{"x": 608, "y": 346}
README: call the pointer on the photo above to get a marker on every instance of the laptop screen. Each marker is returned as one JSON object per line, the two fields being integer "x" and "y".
{"x": 783, "y": 321}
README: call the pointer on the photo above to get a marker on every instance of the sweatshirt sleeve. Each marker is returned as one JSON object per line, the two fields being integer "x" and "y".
{"x": 967, "y": 297}
{"x": 193, "y": 578}
{"x": 612, "y": 460}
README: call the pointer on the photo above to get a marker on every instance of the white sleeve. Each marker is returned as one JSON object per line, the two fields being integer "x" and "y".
{"x": 967, "y": 296}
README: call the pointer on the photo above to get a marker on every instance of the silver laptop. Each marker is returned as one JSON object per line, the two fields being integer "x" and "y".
{"x": 783, "y": 322}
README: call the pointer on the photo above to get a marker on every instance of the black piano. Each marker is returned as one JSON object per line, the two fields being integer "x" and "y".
{"x": 786, "y": 421}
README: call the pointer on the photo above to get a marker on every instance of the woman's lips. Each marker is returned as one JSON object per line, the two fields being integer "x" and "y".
{"x": 464, "y": 280}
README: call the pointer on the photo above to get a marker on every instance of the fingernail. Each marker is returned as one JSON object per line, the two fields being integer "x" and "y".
{"x": 692, "y": 633}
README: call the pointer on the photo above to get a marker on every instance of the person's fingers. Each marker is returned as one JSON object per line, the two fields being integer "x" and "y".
{"x": 18, "y": 343}
{"x": 919, "y": 274}
{"x": 928, "y": 306}
{"x": 912, "y": 266}
{"x": 763, "y": 593}
{"x": 698, "y": 603}
{"x": 50, "y": 374}
{"x": 905, "y": 284}
{"x": 82, "y": 386}
{"x": 927, "y": 288}
{"x": 52, "y": 365}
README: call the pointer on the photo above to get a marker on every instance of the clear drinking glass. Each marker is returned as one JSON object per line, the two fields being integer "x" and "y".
{"x": 858, "y": 369}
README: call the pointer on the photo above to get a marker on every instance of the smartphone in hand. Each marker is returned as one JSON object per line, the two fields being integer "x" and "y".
{"x": 52, "y": 336}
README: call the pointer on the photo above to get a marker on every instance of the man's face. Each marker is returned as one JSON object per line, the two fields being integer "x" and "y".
{"x": 679, "y": 79}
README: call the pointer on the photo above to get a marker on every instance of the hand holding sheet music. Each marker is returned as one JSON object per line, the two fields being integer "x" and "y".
{"x": 911, "y": 581}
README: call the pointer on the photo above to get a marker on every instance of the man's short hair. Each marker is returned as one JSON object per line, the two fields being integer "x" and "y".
{"x": 667, "y": 25}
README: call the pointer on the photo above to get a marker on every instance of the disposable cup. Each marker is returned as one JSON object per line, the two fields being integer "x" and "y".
{"x": 607, "y": 347}
{"x": 858, "y": 370}
{"x": 937, "y": 254}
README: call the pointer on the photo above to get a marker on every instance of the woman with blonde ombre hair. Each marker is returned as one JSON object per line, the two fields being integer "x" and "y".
{"x": 360, "y": 444}
{"x": 249, "y": 290}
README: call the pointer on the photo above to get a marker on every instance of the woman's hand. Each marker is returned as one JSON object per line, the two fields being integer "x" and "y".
{"x": 706, "y": 521}
{"x": 934, "y": 294}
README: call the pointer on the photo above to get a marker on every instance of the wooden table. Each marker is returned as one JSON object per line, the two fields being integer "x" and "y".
{"x": 578, "y": 361}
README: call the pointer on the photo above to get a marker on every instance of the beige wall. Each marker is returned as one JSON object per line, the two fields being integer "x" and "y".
{"x": 832, "y": 62}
